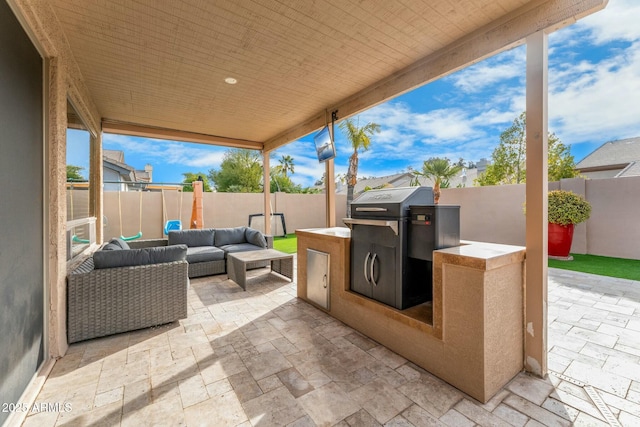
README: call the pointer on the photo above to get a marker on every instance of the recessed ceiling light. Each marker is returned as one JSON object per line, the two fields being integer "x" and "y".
{"x": 230, "y": 81}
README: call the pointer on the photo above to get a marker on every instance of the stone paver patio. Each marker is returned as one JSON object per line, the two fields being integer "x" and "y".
{"x": 263, "y": 358}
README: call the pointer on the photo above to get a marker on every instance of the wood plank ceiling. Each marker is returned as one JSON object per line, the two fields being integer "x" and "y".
{"x": 162, "y": 63}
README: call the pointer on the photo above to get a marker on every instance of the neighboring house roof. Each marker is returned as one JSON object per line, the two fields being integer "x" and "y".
{"x": 116, "y": 155}
{"x": 405, "y": 179}
{"x": 114, "y": 160}
{"x": 397, "y": 180}
{"x": 126, "y": 172}
{"x": 622, "y": 157}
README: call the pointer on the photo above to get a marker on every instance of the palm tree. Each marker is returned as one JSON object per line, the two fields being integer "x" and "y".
{"x": 440, "y": 171}
{"x": 414, "y": 177}
{"x": 360, "y": 137}
{"x": 286, "y": 164}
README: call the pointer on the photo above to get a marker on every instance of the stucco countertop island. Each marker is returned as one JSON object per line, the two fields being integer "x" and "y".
{"x": 470, "y": 335}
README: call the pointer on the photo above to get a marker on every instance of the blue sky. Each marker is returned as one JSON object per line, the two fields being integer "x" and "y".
{"x": 594, "y": 97}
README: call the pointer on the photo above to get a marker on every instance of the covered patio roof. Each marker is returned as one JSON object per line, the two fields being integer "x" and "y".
{"x": 158, "y": 69}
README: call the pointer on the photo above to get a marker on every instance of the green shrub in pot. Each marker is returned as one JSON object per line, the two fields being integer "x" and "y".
{"x": 566, "y": 207}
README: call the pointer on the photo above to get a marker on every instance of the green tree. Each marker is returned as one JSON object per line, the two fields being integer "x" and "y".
{"x": 240, "y": 172}
{"x": 189, "y": 177}
{"x": 561, "y": 162}
{"x": 281, "y": 182}
{"x": 286, "y": 165}
{"x": 440, "y": 171}
{"x": 310, "y": 190}
{"x": 508, "y": 164}
{"x": 360, "y": 138}
{"x": 73, "y": 173}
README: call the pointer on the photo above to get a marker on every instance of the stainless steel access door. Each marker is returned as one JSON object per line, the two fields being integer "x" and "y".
{"x": 318, "y": 289}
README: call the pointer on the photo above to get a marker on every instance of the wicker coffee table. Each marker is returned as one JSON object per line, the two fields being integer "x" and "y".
{"x": 281, "y": 263}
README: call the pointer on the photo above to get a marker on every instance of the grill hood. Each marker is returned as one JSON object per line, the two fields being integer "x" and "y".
{"x": 390, "y": 202}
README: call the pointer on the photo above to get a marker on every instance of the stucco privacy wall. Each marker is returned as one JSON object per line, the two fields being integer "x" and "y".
{"x": 494, "y": 214}
{"x": 613, "y": 228}
{"x": 220, "y": 210}
{"x": 488, "y": 214}
{"x": 64, "y": 82}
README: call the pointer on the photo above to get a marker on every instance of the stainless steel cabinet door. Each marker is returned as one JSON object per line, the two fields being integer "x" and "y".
{"x": 318, "y": 290}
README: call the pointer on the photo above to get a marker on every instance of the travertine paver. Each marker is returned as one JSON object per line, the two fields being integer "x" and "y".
{"x": 264, "y": 358}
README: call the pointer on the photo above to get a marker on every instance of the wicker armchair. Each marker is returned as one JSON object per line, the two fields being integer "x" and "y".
{"x": 108, "y": 301}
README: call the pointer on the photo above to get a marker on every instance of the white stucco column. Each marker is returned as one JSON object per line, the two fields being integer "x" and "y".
{"x": 57, "y": 248}
{"x": 536, "y": 192}
{"x": 330, "y": 193}
{"x": 267, "y": 192}
{"x": 95, "y": 185}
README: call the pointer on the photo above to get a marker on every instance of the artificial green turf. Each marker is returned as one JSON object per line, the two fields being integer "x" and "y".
{"x": 602, "y": 265}
{"x": 287, "y": 244}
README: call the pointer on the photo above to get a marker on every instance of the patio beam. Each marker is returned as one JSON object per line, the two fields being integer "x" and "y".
{"x": 131, "y": 129}
{"x": 498, "y": 36}
{"x": 537, "y": 187}
{"x": 267, "y": 191}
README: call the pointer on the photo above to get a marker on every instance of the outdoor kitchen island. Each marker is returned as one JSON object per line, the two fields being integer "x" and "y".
{"x": 470, "y": 334}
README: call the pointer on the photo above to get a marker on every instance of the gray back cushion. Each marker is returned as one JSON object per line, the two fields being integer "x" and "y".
{"x": 255, "y": 237}
{"x": 111, "y": 247}
{"x": 229, "y": 236}
{"x": 116, "y": 244}
{"x": 144, "y": 256}
{"x": 192, "y": 238}
{"x": 118, "y": 241}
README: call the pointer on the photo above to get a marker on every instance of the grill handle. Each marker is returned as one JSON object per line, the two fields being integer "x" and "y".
{"x": 373, "y": 262}
{"x": 370, "y": 209}
{"x": 366, "y": 260}
{"x": 393, "y": 225}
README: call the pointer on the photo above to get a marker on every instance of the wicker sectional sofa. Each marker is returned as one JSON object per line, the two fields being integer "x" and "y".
{"x": 126, "y": 286}
{"x": 207, "y": 248}
{"x": 105, "y": 299}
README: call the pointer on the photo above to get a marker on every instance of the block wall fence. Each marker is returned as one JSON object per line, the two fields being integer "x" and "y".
{"x": 489, "y": 214}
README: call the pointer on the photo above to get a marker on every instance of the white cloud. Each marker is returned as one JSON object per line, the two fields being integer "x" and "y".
{"x": 597, "y": 101}
{"x": 618, "y": 21}
{"x": 502, "y": 67}
{"x": 447, "y": 132}
{"x": 437, "y": 126}
{"x": 156, "y": 151}
{"x": 307, "y": 169}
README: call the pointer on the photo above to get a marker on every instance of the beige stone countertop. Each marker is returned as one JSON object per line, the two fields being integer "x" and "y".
{"x": 481, "y": 255}
{"x": 340, "y": 232}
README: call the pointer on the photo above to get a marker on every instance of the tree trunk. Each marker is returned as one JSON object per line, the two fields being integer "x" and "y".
{"x": 436, "y": 193}
{"x": 349, "y": 199}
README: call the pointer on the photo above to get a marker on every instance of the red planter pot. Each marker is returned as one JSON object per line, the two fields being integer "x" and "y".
{"x": 560, "y": 238}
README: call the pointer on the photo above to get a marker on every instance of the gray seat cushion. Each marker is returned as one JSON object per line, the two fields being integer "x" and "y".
{"x": 144, "y": 256}
{"x": 192, "y": 238}
{"x": 204, "y": 254}
{"x": 229, "y": 236}
{"x": 240, "y": 247}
